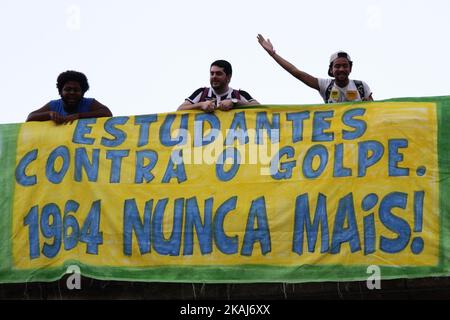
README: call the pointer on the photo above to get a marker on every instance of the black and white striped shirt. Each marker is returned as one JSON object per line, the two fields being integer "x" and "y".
{"x": 201, "y": 95}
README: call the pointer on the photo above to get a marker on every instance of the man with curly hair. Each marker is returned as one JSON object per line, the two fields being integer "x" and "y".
{"x": 72, "y": 86}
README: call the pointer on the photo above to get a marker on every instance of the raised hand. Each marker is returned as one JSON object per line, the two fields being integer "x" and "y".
{"x": 266, "y": 44}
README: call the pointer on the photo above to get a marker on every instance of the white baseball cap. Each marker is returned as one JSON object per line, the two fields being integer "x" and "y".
{"x": 339, "y": 54}
{"x": 334, "y": 56}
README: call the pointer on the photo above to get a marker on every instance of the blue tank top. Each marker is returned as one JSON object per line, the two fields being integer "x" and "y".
{"x": 83, "y": 106}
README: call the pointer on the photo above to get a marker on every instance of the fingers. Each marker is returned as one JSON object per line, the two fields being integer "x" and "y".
{"x": 57, "y": 118}
{"x": 209, "y": 109}
{"x": 266, "y": 44}
{"x": 260, "y": 38}
{"x": 208, "y": 106}
{"x": 66, "y": 120}
{"x": 211, "y": 106}
{"x": 225, "y": 105}
{"x": 70, "y": 119}
{"x": 60, "y": 119}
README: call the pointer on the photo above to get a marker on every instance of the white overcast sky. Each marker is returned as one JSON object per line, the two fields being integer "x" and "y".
{"x": 147, "y": 56}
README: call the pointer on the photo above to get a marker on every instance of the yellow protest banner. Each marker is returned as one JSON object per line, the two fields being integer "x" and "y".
{"x": 320, "y": 187}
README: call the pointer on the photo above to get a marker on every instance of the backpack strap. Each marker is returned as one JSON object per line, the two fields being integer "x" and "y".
{"x": 204, "y": 94}
{"x": 236, "y": 94}
{"x": 328, "y": 91}
{"x": 359, "y": 85}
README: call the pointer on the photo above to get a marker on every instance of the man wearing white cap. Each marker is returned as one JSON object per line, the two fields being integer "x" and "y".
{"x": 339, "y": 89}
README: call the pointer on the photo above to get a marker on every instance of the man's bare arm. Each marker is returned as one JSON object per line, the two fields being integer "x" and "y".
{"x": 304, "y": 77}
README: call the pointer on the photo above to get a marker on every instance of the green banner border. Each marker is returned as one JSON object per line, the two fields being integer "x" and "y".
{"x": 236, "y": 273}
{"x": 8, "y": 146}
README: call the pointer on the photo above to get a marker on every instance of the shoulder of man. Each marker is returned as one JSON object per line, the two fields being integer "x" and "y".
{"x": 196, "y": 94}
{"x": 365, "y": 84}
{"x": 86, "y": 104}
{"x": 55, "y": 101}
{"x": 198, "y": 91}
{"x": 324, "y": 83}
{"x": 55, "y": 105}
{"x": 325, "y": 86}
{"x": 363, "y": 88}
{"x": 245, "y": 95}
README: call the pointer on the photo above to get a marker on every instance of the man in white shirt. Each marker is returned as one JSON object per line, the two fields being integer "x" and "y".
{"x": 220, "y": 95}
{"x": 339, "y": 89}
